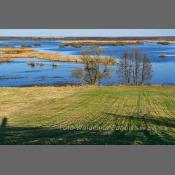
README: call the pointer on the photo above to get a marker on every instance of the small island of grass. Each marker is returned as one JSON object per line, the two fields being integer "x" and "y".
{"x": 164, "y": 42}
{"x": 163, "y": 55}
{"x": 24, "y": 52}
{"x": 5, "y": 60}
{"x": 96, "y": 43}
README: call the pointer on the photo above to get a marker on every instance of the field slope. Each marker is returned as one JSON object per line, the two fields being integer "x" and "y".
{"x": 87, "y": 115}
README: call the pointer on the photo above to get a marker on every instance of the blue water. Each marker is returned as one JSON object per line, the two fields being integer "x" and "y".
{"x": 19, "y": 73}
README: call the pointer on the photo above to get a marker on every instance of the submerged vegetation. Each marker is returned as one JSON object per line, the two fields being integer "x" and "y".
{"x": 54, "y": 64}
{"x": 25, "y": 46}
{"x": 31, "y": 63}
{"x": 37, "y": 44}
{"x": 40, "y": 64}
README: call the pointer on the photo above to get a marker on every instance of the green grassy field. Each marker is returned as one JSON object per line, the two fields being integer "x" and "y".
{"x": 87, "y": 115}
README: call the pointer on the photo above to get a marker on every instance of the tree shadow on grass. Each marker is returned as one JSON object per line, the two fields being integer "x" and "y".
{"x": 153, "y": 130}
{"x": 45, "y": 136}
{"x": 159, "y": 121}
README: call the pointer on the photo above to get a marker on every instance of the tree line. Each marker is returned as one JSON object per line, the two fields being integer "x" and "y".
{"x": 134, "y": 67}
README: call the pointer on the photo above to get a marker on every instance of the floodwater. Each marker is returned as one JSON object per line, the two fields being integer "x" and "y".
{"x": 19, "y": 73}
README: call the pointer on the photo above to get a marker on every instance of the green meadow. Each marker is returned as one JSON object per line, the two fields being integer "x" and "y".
{"x": 88, "y": 115}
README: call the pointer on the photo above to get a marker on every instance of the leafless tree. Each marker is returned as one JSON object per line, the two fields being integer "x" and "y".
{"x": 125, "y": 65}
{"x": 93, "y": 72}
{"x": 135, "y": 67}
{"x": 137, "y": 57}
{"x": 146, "y": 69}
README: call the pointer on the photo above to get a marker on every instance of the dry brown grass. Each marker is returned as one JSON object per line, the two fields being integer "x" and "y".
{"x": 100, "y": 41}
{"x": 16, "y": 50}
{"x": 31, "y": 53}
{"x": 9, "y": 53}
{"x": 80, "y": 43}
{"x": 163, "y": 55}
{"x": 115, "y": 41}
{"x": 5, "y": 60}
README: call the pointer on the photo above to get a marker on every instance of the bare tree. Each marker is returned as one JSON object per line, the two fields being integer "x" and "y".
{"x": 146, "y": 69}
{"x": 124, "y": 67}
{"x": 91, "y": 73}
{"x": 137, "y": 64}
{"x": 127, "y": 67}
{"x": 135, "y": 67}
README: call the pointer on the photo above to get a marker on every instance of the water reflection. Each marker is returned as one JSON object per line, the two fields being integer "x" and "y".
{"x": 19, "y": 73}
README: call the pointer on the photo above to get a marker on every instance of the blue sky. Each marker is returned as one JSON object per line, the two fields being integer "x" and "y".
{"x": 87, "y": 32}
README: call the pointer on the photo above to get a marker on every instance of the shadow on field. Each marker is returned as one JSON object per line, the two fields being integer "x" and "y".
{"x": 159, "y": 121}
{"x": 4, "y": 122}
{"x": 30, "y": 136}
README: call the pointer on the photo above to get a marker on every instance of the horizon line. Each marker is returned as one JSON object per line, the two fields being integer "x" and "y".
{"x": 90, "y": 36}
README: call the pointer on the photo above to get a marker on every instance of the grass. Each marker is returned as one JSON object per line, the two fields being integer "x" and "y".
{"x": 163, "y": 55}
{"x": 37, "y": 44}
{"x": 81, "y": 43}
{"x": 31, "y": 63}
{"x": 13, "y": 50}
{"x": 5, "y": 60}
{"x": 87, "y": 115}
{"x": 164, "y": 42}
{"x": 25, "y": 52}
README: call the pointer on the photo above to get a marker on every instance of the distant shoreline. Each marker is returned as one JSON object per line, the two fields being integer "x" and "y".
{"x": 156, "y": 38}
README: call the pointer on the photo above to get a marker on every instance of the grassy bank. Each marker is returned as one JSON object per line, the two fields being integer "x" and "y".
{"x": 87, "y": 115}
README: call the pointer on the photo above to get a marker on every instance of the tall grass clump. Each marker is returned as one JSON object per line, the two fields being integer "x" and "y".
{"x": 31, "y": 63}
{"x": 163, "y": 55}
{"x": 54, "y": 65}
{"x": 5, "y": 60}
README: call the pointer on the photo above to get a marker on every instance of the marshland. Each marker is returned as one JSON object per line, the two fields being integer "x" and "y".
{"x": 68, "y": 58}
{"x": 55, "y": 91}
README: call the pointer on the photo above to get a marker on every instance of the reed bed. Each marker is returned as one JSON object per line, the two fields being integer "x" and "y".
{"x": 31, "y": 53}
{"x": 163, "y": 55}
{"x": 80, "y": 43}
{"x": 5, "y": 60}
{"x": 54, "y": 65}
